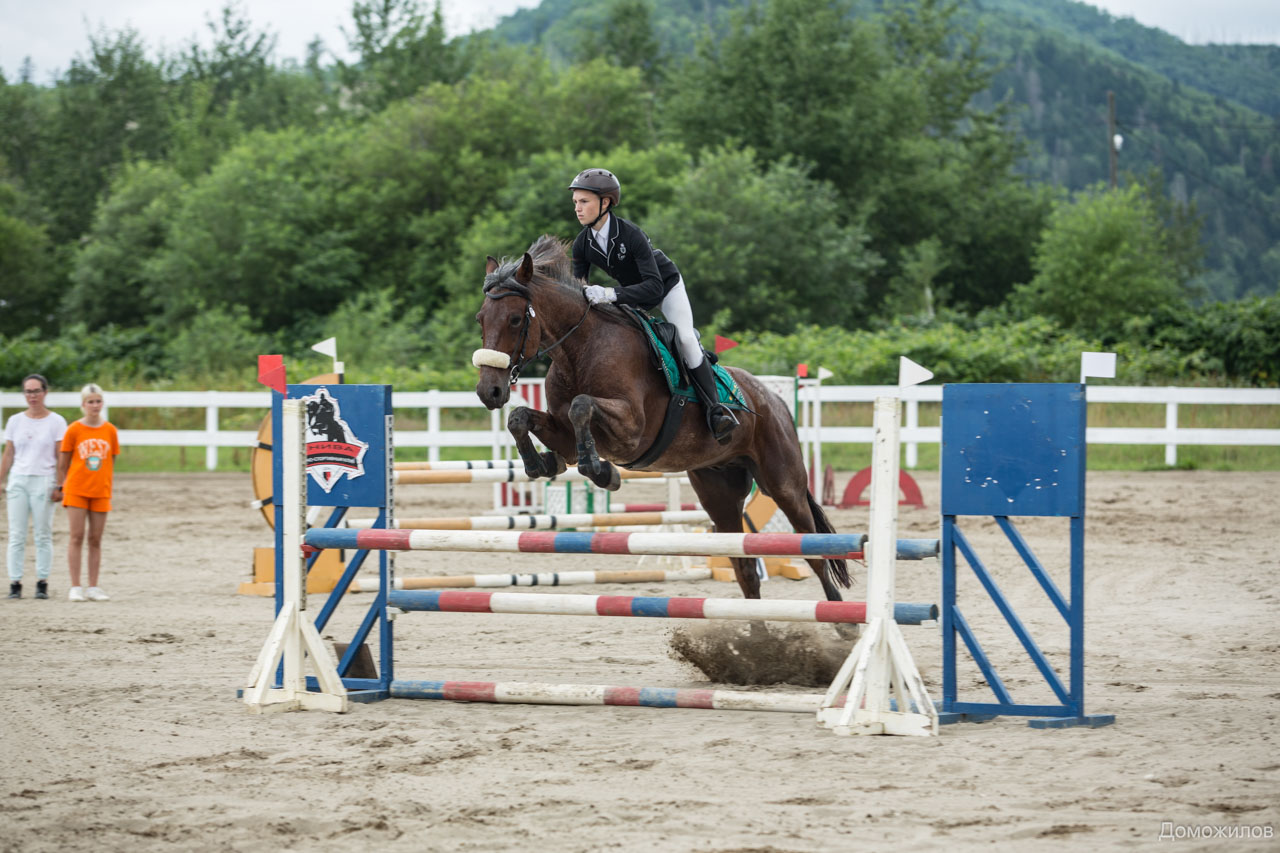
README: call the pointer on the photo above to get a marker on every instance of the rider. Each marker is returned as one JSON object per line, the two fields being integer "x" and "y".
{"x": 647, "y": 278}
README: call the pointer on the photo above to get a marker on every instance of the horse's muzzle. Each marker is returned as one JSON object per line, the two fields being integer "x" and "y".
{"x": 493, "y": 388}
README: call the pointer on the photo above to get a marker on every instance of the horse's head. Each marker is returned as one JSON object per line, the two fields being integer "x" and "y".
{"x": 509, "y": 329}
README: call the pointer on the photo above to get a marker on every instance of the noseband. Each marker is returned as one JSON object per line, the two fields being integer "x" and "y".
{"x": 519, "y": 362}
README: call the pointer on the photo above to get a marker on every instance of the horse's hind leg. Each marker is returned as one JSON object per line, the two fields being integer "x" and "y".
{"x": 599, "y": 471}
{"x": 723, "y": 492}
{"x": 782, "y": 476}
{"x": 549, "y": 431}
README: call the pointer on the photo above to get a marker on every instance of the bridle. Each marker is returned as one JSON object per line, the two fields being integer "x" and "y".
{"x": 519, "y": 362}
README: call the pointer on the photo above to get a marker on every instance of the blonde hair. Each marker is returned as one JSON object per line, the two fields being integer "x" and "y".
{"x": 89, "y": 389}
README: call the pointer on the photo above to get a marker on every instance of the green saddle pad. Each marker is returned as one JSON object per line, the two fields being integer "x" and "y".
{"x": 726, "y": 386}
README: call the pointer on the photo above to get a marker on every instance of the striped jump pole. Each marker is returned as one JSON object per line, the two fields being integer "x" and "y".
{"x": 529, "y": 693}
{"x": 734, "y": 609}
{"x": 516, "y": 475}
{"x": 838, "y": 545}
{"x": 474, "y": 465}
{"x": 543, "y": 522}
{"x": 538, "y": 579}
{"x": 535, "y": 693}
{"x": 643, "y": 507}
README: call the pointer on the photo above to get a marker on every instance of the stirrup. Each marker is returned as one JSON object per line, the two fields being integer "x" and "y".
{"x": 722, "y": 422}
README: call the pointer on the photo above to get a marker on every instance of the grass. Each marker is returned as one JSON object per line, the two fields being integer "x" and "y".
{"x": 843, "y": 457}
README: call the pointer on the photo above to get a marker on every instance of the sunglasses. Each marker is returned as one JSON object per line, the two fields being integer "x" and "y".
{"x": 33, "y": 391}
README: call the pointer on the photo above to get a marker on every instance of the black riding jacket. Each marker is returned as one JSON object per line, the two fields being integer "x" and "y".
{"x": 644, "y": 274}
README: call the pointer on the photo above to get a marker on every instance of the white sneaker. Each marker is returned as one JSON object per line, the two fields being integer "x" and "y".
{"x": 96, "y": 594}
{"x": 76, "y": 594}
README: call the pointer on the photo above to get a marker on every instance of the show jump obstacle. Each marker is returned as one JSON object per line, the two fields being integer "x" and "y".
{"x": 1009, "y": 451}
{"x": 1002, "y": 436}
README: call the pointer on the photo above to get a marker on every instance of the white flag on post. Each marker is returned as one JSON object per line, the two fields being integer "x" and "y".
{"x": 910, "y": 373}
{"x": 329, "y": 347}
{"x": 1099, "y": 364}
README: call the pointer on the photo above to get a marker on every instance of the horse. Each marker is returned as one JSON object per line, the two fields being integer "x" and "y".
{"x": 322, "y": 419}
{"x": 606, "y": 404}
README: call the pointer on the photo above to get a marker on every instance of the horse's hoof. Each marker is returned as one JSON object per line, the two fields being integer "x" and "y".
{"x": 615, "y": 479}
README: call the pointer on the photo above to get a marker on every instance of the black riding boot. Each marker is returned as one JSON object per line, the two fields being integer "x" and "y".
{"x": 719, "y": 418}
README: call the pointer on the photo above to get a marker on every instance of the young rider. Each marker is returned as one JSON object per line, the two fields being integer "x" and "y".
{"x": 647, "y": 278}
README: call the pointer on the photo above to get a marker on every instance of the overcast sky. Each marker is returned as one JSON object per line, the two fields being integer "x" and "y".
{"x": 52, "y": 32}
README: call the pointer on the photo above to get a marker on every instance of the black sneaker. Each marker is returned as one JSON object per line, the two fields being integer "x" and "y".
{"x": 15, "y": 589}
{"x": 42, "y": 589}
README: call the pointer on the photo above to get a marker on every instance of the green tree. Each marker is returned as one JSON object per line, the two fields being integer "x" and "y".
{"x": 131, "y": 224}
{"x": 373, "y": 329}
{"x": 401, "y": 50}
{"x": 913, "y": 291}
{"x": 883, "y": 109}
{"x": 261, "y": 230}
{"x": 238, "y": 63}
{"x": 111, "y": 107}
{"x": 217, "y": 339}
{"x": 763, "y": 243}
{"x": 1102, "y": 260}
{"x": 597, "y": 106}
{"x": 29, "y": 268}
{"x": 627, "y": 39}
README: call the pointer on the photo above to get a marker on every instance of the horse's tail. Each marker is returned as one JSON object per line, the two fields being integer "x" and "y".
{"x": 839, "y": 568}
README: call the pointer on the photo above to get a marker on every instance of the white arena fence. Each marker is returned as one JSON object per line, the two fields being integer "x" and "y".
{"x": 496, "y": 439}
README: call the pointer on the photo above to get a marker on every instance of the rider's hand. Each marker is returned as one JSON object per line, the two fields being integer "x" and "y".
{"x": 596, "y": 294}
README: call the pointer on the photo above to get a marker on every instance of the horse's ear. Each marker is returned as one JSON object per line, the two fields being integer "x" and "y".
{"x": 524, "y": 275}
{"x": 490, "y": 265}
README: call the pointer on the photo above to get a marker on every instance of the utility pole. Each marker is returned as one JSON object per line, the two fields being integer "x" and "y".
{"x": 1111, "y": 134}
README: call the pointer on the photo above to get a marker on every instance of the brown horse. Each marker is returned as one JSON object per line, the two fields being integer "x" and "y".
{"x": 606, "y": 404}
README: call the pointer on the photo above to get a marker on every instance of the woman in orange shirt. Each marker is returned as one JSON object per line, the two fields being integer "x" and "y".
{"x": 85, "y": 466}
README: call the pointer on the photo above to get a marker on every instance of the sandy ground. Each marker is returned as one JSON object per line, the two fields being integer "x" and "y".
{"x": 122, "y": 731}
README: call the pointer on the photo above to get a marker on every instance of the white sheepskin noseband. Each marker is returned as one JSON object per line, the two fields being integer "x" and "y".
{"x": 490, "y": 358}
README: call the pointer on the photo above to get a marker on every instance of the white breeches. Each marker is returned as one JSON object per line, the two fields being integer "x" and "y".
{"x": 675, "y": 307}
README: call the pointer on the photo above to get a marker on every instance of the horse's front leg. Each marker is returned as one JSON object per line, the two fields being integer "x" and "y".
{"x": 549, "y": 431}
{"x": 611, "y": 418}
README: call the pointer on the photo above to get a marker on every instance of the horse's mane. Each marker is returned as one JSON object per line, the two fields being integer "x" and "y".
{"x": 552, "y": 268}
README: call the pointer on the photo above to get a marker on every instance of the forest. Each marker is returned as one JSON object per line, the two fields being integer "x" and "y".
{"x": 839, "y": 182}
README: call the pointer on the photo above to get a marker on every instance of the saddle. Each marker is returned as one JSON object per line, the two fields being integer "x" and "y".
{"x": 662, "y": 355}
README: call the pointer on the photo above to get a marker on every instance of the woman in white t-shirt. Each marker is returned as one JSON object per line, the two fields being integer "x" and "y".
{"x": 30, "y": 462}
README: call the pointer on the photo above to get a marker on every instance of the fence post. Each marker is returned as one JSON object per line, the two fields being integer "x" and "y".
{"x": 1171, "y": 424}
{"x": 913, "y": 421}
{"x": 211, "y": 427}
{"x": 433, "y": 425}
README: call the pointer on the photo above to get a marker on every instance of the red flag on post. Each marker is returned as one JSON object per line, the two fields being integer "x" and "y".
{"x": 802, "y": 370}
{"x": 723, "y": 343}
{"x": 271, "y": 372}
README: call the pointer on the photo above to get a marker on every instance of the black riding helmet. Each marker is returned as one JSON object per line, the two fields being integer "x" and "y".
{"x": 601, "y": 182}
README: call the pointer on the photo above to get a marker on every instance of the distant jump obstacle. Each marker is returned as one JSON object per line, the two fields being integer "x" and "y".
{"x": 514, "y": 475}
{"x": 544, "y": 522}
{"x": 878, "y": 689}
{"x": 537, "y": 579}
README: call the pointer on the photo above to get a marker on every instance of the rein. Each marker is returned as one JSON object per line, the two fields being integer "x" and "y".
{"x": 519, "y": 363}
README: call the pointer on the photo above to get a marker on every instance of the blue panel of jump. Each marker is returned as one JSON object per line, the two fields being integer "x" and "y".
{"x": 1007, "y": 451}
{"x": 1013, "y": 449}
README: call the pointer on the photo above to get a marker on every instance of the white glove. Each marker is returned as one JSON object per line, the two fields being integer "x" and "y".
{"x": 596, "y": 294}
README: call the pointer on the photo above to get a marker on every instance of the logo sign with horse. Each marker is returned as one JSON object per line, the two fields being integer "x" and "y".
{"x": 333, "y": 450}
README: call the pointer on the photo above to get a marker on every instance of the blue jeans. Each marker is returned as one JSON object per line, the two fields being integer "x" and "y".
{"x": 28, "y": 495}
